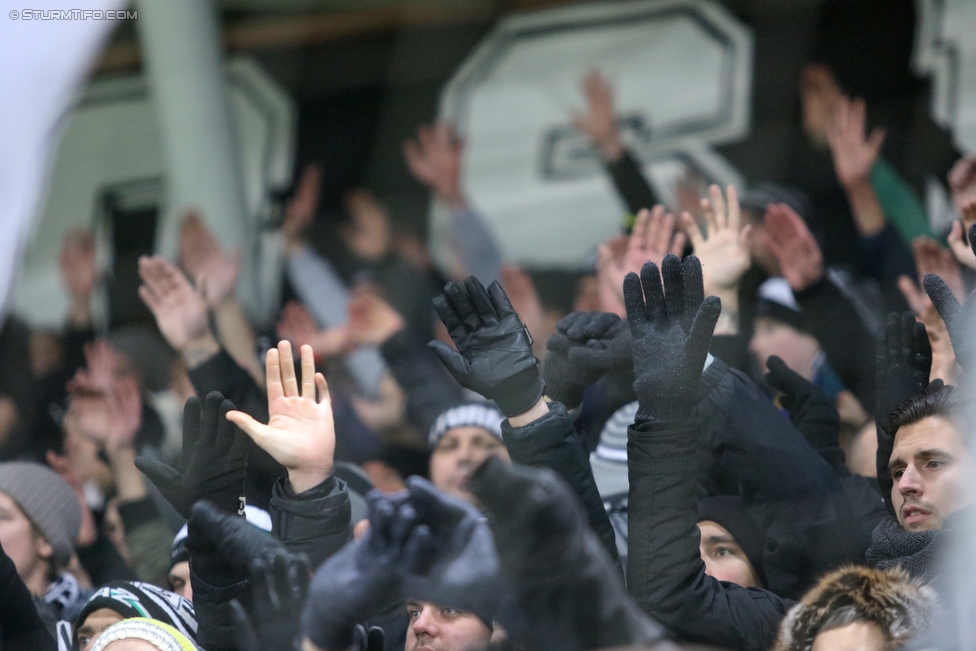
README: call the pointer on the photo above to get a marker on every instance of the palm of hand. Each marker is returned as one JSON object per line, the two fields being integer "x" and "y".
{"x": 220, "y": 279}
{"x": 183, "y": 318}
{"x": 723, "y": 259}
{"x": 304, "y": 430}
{"x": 664, "y": 343}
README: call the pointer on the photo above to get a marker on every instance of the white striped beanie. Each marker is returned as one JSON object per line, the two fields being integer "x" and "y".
{"x": 468, "y": 415}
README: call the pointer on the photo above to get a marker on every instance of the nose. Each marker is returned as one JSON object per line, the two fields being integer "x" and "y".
{"x": 425, "y": 624}
{"x": 910, "y": 484}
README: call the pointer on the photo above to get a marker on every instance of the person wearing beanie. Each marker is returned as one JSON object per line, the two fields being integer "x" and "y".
{"x": 858, "y": 607}
{"x": 40, "y": 523}
{"x": 128, "y": 600}
{"x": 460, "y": 439}
{"x": 158, "y": 635}
{"x": 451, "y": 629}
{"x": 731, "y": 542}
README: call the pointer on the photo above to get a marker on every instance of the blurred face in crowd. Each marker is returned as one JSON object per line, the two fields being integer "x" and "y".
{"x": 438, "y": 628}
{"x": 93, "y": 626}
{"x": 724, "y": 559}
{"x": 25, "y": 546}
{"x": 771, "y": 337}
{"x": 857, "y": 636}
{"x": 459, "y": 452}
{"x": 179, "y": 580}
{"x": 932, "y": 473}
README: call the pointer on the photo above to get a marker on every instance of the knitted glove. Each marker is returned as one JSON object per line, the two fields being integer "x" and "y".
{"x": 811, "y": 411}
{"x": 279, "y": 585}
{"x": 363, "y": 577}
{"x": 584, "y": 348}
{"x": 451, "y": 556}
{"x": 668, "y": 357}
{"x": 223, "y": 546}
{"x": 494, "y": 349}
{"x": 212, "y": 464}
{"x": 958, "y": 318}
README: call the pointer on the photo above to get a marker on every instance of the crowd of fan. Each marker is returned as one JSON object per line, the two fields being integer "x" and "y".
{"x": 731, "y": 440}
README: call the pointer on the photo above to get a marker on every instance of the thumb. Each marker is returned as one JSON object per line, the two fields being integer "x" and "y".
{"x": 158, "y": 472}
{"x": 782, "y": 377}
{"x": 455, "y": 363}
{"x": 257, "y": 431}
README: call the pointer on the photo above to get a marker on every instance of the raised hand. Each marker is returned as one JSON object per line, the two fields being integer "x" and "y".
{"x": 959, "y": 246}
{"x": 78, "y": 273}
{"x": 811, "y": 411}
{"x": 434, "y": 159}
{"x": 525, "y": 299}
{"x": 279, "y": 586}
{"x": 904, "y": 360}
{"x": 494, "y": 349}
{"x": 212, "y": 463}
{"x": 180, "y": 311}
{"x": 300, "y": 211}
{"x": 723, "y": 249}
{"x": 298, "y": 326}
{"x": 958, "y": 318}
{"x": 223, "y": 546}
{"x": 300, "y": 434}
{"x": 854, "y": 154}
{"x": 652, "y": 238}
{"x": 585, "y": 347}
{"x": 372, "y": 321}
{"x": 203, "y": 260}
{"x": 598, "y": 123}
{"x": 796, "y": 250}
{"x": 962, "y": 182}
{"x": 671, "y": 330}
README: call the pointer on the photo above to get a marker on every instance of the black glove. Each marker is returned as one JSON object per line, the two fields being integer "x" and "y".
{"x": 369, "y": 640}
{"x": 363, "y": 577}
{"x": 450, "y": 558}
{"x": 279, "y": 585}
{"x": 223, "y": 546}
{"x": 494, "y": 349}
{"x": 958, "y": 318}
{"x": 811, "y": 411}
{"x": 585, "y": 347}
{"x": 671, "y": 332}
{"x": 568, "y": 590}
{"x": 213, "y": 460}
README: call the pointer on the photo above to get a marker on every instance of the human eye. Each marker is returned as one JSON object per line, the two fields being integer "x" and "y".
{"x": 896, "y": 473}
{"x": 450, "y": 611}
{"x": 413, "y": 613}
{"x": 935, "y": 464}
{"x": 724, "y": 551}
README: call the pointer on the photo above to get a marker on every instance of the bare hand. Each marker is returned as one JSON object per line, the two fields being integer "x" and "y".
{"x": 598, "y": 123}
{"x": 723, "y": 251}
{"x": 798, "y": 253}
{"x": 961, "y": 249}
{"x": 962, "y": 182}
{"x": 180, "y": 311}
{"x": 203, "y": 260}
{"x": 300, "y": 211}
{"x": 77, "y": 263}
{"x": 369, "y": 236}
{"x": 300, "y": 434}
{"x": 298, "y": 326}
{"x": 434, "y": 159}
{"x": 372, "y": 321}
{"x": 854, "y": 155}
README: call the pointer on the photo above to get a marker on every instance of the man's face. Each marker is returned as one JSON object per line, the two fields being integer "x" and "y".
{"x": 459, "y": 452}
{"x": 724, "y": 559}
{"x": 436, "y": 628}
{"x": 93, "y": 626}
{"x": 932, "y": 473}
{"x": 29, "y": 551}
{"x": 179, "y": 580}
{"x": 796, "y": 348}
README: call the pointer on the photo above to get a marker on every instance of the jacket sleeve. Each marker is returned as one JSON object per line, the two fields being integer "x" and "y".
{"x": 848, "y": 344}
{"x": 552, "y": 442}
{"x": 317, "y": 522}
{"x": 430, "y": 390}
{"x": 630, "y": 183}
{"x": 20, "y": 625}
{"x": 665, "y": 572}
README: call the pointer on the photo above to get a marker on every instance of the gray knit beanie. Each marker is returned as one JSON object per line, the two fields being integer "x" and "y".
{"x": 48, "y": 501}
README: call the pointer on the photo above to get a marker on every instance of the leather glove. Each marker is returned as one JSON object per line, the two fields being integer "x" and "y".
{"x": 958, "y": 318}
{"x": 372, "y": 639}
{"x": 213, "y": 460}
{"x": 279, "y": 585}
{"x": 363, "y": 577}
{"x": 494, "y": 349}
{"x": 585, "y": 347}
{"x": 810, "y": 410}
{"x": 223, "y": 546}
{"x": 904, "y": 362}
{"x": 450, "y": 558}
{"x": 668, "y": 356}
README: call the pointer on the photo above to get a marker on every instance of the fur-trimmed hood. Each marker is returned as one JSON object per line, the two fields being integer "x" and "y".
{"x": 900, "y": 605}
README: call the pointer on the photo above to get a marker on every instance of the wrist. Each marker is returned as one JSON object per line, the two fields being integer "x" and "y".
{"x": 199, "y": 350}
{"x": 452, "y": 198}
{"x": 728, "y": 319}
{"x": 537, "y": 411}
{"x": 304, "y": 479}
{"x": 611, "y": 150}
